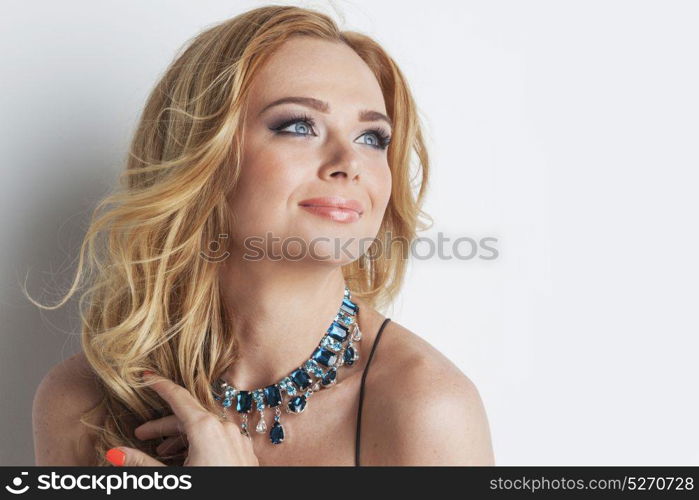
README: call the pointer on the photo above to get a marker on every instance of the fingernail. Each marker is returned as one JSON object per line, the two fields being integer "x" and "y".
{"x": 115, "y": 456}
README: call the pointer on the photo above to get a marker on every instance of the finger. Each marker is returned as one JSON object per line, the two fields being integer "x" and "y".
{"x": 160, "y": 427}
{"x": 183, "y": 404}
{"x": 127, "y": 457}
{"x": 172, "y": 445}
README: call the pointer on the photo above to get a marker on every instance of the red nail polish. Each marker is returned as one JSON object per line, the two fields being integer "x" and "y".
{"x": 115, "y": 456}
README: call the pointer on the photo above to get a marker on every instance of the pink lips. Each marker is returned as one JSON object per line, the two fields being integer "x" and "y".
{"x": 334, "y": 207}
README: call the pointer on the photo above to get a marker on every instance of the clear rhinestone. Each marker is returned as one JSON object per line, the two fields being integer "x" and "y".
{"x": 331, "y": 343}
{"x": 357, "y": 335}
{"x": 261, "y": 425}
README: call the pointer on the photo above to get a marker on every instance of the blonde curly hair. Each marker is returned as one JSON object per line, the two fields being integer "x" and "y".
{"x": 151, "y": 302}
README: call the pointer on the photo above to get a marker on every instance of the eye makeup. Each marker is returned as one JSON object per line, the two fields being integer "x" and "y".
{"x": 383, "y": 137}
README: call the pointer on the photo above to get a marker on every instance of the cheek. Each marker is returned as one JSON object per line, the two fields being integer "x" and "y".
{"x": 268, "y": 178}
{"x": 262, "y": 198}
{"x": 388, "y": 184}
{"x": 381, "y": 185}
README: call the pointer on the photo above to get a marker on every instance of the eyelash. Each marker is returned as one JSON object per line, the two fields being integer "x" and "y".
{"x": 383, "y": 138}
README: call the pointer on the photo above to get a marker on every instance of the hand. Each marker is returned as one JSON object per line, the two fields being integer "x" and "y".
{"x": 211, "y": 441}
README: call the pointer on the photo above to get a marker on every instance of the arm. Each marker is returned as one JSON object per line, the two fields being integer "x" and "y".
{"x": 65, "y": 393}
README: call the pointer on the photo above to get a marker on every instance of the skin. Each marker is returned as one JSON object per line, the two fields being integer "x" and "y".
{"x": 285, "y": 305}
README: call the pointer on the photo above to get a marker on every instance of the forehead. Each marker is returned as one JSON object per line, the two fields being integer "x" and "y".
{"x": 309, "y": 67}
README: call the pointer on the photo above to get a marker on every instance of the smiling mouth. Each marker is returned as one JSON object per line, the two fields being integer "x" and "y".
{"x": 334, "y": 202}
{"x": 334, "y": 207}
{"x": 335, "y": 213}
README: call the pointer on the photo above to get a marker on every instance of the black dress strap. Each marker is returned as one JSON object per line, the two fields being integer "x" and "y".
{"x": 361, "y": 392}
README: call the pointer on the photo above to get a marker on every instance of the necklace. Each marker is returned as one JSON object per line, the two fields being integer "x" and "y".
{"x": 337, "y": 348}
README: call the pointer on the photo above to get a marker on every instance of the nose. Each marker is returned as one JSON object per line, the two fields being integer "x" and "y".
{"x": 343, "y": 162}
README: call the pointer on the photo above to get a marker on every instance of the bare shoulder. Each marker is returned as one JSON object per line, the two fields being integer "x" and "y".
{"x": 67, "y": 391}
{"x": 420, "y": 408}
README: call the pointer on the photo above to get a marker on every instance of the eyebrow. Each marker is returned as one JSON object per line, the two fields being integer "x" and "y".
{"x": 322, "y": 106}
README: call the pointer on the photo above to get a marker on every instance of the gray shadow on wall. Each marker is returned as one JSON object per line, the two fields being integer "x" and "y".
{"x": 48, "y": 208}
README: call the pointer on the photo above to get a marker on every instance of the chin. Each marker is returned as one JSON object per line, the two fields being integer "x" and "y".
{"x": 340, "y": 247}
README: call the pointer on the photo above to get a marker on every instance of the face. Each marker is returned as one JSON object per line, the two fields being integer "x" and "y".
{"x": 331, "y": 144}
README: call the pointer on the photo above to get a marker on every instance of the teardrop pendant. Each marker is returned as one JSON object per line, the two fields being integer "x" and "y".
{"x": 261, "y": 424}
{"x": 276, "y": 434}
{"x": 357, "y": 335}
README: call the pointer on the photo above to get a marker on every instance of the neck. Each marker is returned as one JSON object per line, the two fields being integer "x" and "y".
{"x": 279, "y": 311}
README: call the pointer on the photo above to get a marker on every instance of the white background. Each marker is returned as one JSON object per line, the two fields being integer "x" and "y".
{"x": 568, "y": 130}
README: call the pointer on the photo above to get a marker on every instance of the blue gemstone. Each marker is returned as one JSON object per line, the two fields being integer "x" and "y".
{"x": 274, "y": 398}
{"x": 276, "y": 433}
{"x": 338, "y": 331}
{"x": 297, "y": 404}
{"x": 259, "y": 398}
{"x": 243, "y": 402}
{"x": 331, "y": 343}
{"x": 348, "y": 306}
{"x": 324, "y": 356}
{"x": 288, "y": 386}
{"x": 312, "y": 367}
{"x": 301, "y": 378}
{"x": 329, "y": 377}
{"x": 227, "y": 403}
{"x": 349, "y": 356}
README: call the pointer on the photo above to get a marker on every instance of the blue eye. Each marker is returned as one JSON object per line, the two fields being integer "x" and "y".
{"x": 303, "y": 126}
{"x": 300, "y": 128}
{"x": 381, "y": 140}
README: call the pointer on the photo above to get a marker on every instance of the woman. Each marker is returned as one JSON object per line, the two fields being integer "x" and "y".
{"x": 237, "y": 247}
